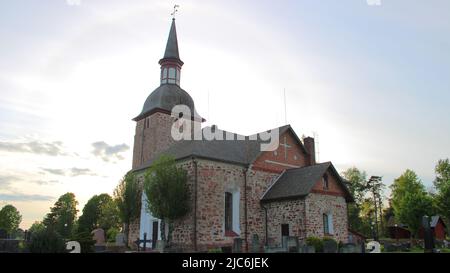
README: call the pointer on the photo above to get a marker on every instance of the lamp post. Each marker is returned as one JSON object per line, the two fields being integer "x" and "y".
{"x": 396, "y": 232}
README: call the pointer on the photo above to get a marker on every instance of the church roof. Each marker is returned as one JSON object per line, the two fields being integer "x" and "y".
{"x": 172, "y": 44}
{"x": 435, "y": 221}
{"x": 164, "y": 98}
{"x": 298, "y": 182}
{"x": 241, "y": 152}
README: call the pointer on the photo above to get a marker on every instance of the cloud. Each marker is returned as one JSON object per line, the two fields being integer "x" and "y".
{"x": 73, "y": 172}
{"x": 81, "y": 172}
{"x": 55, "y": 171}
{"x": 108, "y": 152}
{"x": 34, "y": 147}
{"x": 5, "y": 181}
{"x": 46, "y": 182}
{"x": 24, "y": 197}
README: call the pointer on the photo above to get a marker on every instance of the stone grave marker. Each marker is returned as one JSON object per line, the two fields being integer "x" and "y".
{"x": 256, "y": 247}
{"x": 3, "y": 234}
{"x": 428, "y": 235}
{"x": 330, "y": 246}
{"x": 237, "y": 245}
{"x": 308, "y": 249}
{"x": 348, "y": 248}
{"x": 120, "y": 239}
{"x": 99, "y": 238}
{"x": 292, "y": 244}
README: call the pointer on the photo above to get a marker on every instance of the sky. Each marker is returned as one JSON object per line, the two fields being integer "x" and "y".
{"x": 368, "y": 78}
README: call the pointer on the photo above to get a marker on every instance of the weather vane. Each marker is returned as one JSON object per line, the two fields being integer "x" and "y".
{"x": 175, "y": 10}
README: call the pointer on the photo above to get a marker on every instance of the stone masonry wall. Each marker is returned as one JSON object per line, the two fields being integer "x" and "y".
{"x": 214, "y": 179}
{"x": 157, "y": 137}
{"x": 290, "y": 212}
{"x": 257, "y": 184}
{"x": 318, "y": 204}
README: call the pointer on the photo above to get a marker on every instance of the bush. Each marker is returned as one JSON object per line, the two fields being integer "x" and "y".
{"x": 85, "y": 240}
{"x": 111, "y": 235}
{"x": 215, "y": 250}
{"x": 47, "y": 241}
{"x": 316, "y": 242}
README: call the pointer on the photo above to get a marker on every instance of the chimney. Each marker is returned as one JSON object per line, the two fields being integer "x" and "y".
{"x": 311, "y": 149}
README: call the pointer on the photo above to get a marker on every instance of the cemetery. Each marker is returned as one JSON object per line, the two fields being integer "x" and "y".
{"x": 265, "y": 191}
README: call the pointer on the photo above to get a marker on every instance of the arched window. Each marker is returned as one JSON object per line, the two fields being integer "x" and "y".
{"x": 164, "y": 75}
{"x": 231, "y": 213}
{"x": 327, "y": 223}
{"x": 228, "y": 211}
{"x": 172, "y": 75}
{"x": 325, "y": 182}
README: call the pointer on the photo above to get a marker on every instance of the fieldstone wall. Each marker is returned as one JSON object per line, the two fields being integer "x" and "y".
{"x": 318, "y": 204}
{"x": 152, "y": 136}
{"x": 214, "y": 179}
{"x": 257, "y": 184}
{"x": 290, "y": 212}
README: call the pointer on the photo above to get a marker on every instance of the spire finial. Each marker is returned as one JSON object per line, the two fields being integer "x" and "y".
{"x": 175, "y": 10}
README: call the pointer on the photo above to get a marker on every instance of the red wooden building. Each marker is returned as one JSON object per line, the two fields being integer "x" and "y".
{"x": 437, "y": 227}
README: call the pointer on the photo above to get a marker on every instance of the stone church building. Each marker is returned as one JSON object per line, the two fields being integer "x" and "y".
{"x": 236, "y": 190}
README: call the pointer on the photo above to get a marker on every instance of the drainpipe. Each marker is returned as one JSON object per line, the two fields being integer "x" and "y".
{"x": 245, "y": 210}
{"x": 195, "y": 202}
{"x": 267, "y": 232}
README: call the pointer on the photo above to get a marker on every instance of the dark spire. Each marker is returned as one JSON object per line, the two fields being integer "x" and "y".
{"x": 172, "y": 44}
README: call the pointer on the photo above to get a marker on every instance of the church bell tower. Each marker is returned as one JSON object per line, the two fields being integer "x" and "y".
{"x": 154, "y": 123}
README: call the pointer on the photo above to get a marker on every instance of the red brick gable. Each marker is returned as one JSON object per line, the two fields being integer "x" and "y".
{"x": 334, "y": 187}
{"x": 277, "y": 161}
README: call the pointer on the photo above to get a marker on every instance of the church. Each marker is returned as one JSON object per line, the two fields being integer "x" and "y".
{"x": 237, "y": 189}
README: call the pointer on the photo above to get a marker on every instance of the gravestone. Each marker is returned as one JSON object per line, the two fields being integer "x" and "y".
{"x": 308, "y": 249}
{"x": 237, "y": 245}
{"x": 428, "y": 235}
{"x": 284, "y": 243}
{"x": 330, "y": 246}
{"x": 120, "y": 239}
{"x": 160, "y": 246}
{"x": 348, "y": 248}
{"x": 98, "y": 235}
{"x": 292, "y": 244}
{"x": 3, "y": 234}
{"x": 389, "y": 247}
{"x": 360, "y": 247}
{"x": 143, "y": 242}
{"x": 256, "y": 247}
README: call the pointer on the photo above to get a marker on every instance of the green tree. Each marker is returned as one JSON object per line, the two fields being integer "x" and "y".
{"x": 442, "y": 171}
{"x": 167, "y": 193}
{"x": 10, "y": 219}
{"x": 36, "y": 226}
{"x": 442, "y": 185}
{"x": 100, "y": 211}
{"x": 62, "y": 215}
{"x": 367, "y": 217}
{"x": 375, "y": 187}
{"x": 109, "y": 216}
{"x": 356, "y": 184}
{"x": 127, "y": 196}
{"x": 47, "y": 240}
{"x": 410, "y": 201}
